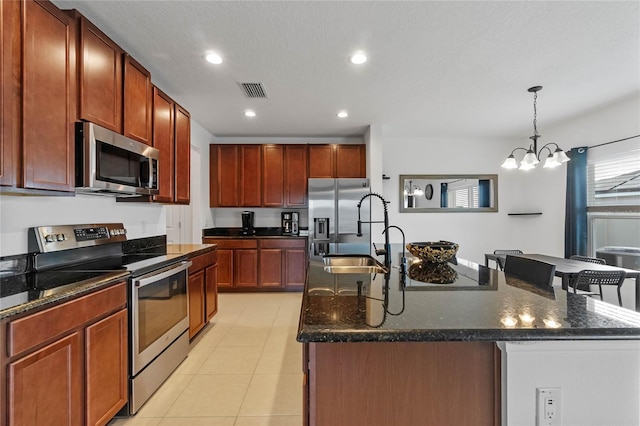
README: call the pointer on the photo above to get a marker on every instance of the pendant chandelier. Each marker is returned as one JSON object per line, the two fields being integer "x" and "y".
{"x": 532, "y": 156}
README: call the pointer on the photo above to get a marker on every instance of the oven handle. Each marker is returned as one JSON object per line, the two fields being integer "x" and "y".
{"x": 162, "y": 273}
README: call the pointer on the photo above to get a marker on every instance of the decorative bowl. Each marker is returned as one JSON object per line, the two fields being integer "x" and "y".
{"x": 434, "y": 273}
{"x": 434, "y": 251}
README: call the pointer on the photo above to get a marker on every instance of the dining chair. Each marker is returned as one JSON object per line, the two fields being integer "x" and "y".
{"x": 499, "y": 261}
{"x": 535, "y": 272}
{"x": 597, "y": 260}
{"x": 586, "y": 278}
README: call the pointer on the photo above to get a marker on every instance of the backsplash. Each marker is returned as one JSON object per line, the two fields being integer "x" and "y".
{"x": 264, "y": 217}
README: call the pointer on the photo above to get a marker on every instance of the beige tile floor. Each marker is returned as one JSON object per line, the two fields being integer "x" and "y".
{"x": 244, "y": 369}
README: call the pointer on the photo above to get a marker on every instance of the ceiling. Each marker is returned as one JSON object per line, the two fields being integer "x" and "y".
{"x": 435, "y": 68}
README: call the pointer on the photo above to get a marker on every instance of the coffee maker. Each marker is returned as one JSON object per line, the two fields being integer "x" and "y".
{"x": 289, "y": 223}
{"x": 247, "y": 223}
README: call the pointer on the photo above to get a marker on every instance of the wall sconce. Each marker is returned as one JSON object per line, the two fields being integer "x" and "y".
{"x": 532, "y": 156}
{"x": 411, "y": 191}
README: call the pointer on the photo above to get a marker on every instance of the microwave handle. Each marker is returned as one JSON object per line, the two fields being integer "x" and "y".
{"x": 161, "y": 274}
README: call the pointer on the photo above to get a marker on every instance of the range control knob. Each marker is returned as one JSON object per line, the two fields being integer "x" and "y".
{"x": 49, "y": 238}
{"x": 61, "y": 237}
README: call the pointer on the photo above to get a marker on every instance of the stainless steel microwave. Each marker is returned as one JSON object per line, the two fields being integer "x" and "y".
{"x": 108, "y": 163}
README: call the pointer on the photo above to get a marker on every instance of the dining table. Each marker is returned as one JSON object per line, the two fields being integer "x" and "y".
{"x": 568, "y": 269}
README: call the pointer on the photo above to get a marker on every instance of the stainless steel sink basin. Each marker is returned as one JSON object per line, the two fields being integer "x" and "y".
{"x": 352, "y": 264}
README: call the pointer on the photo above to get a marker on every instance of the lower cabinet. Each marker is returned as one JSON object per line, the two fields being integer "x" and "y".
{"x": 67, "y": 364}
{"x": 260, "y": 264}
{"x": 202, "y": 290}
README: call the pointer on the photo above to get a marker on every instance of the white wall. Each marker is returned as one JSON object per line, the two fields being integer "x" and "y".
{"x": 17, "y": 214}
{"x": 478, "y": 233}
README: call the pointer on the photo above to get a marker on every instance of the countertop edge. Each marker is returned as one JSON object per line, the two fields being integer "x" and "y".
{"x": 72, "y": 293}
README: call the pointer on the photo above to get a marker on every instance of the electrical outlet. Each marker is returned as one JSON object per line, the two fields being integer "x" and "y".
{"x": 548, "y": 412}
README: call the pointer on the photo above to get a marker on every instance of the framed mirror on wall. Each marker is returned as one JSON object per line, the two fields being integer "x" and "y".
{"x": 448, "y": 193}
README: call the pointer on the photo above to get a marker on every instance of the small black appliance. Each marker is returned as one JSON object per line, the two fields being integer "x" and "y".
{"x": 247, "y": 223}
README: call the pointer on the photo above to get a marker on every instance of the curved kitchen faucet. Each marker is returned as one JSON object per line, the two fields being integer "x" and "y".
{"x": 387, "y": 249}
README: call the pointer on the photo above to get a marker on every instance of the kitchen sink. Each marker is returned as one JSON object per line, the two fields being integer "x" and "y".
{"x": 352, "y": 264}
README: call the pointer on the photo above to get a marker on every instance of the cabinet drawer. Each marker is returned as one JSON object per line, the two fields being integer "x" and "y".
{"x": 203, "y": 261}
{"x": 296, "y": 243}
{"x": 231, "y": 244}
{"x": 28, "y": 332}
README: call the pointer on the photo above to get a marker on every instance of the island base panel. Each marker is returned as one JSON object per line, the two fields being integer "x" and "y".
{"x": 404, "y": 383}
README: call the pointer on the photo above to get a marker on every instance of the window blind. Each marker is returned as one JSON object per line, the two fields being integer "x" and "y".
{"x": 613, "y": 178}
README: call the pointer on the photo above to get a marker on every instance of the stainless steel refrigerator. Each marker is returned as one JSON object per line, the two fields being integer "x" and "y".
{"x": 333, "y": 216}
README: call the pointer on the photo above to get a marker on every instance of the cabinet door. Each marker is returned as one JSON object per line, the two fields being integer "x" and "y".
{"x": 246, "y": 268}
{"x": 225, "y": 268}
{"x": 351, "y": 161}
{"x": 271, "y": 261}
{"x": 321, "y": 161}
{"x": 100, "y": 77}
{"x": 250, "y": 173}
{"x": 106, "y": 368}
{"x": 49, "y": 97}
{"x": 272, "y": 175}
{"x": 295, "y": 267}
{"x": 223, "y": 176}
{"x": 163, "y": 134}
{"x": 196, "y": 303}
{"x": 46, "y": 386}
{"x": 295, "y": 175}
{"x": 9, "y": 91}
{"x": 183, "y": 155}
{"x": 211, "y": 291}
{"x": 137, "y": 101}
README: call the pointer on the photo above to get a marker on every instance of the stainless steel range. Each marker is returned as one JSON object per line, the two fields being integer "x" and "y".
{"x": 157, "y": 295}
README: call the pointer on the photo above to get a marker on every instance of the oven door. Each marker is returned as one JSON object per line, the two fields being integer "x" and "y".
{"x": 160, "y": 312}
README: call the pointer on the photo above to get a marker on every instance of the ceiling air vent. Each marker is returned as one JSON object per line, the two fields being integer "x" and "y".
{"x": 253, "y": 90}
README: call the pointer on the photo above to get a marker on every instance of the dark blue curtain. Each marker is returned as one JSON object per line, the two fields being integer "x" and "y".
{"x": 443, "y": 194}
{"x": 575, "y": 221}
{"x": 484, "y": 193}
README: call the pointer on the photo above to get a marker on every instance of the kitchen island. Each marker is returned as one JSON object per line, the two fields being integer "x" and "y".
{"x": 392, "y": 349}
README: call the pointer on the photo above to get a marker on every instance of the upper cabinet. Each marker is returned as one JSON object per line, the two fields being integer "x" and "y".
{"x": 337, "y": 161}
{"x": 295, "y": 175}
{"x": 273, "y": 175}
{"x": 171, "y": 136}
{"x": 99, "y": 76}
{"x": 183, "y": 155}
{"x": 38, "y": 97}
{"x": 137, "y": 101}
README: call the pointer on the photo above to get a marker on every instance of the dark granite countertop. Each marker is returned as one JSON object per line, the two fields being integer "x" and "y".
{"x": 481, "y": 304}
{"x": 266, "y": 232}
{"x": 23, "y": 291}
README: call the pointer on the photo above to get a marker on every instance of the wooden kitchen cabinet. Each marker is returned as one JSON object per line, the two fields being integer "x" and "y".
{"x": 255, "y": 264}
{"x": 46, "y": 386}
{"x": 295, "y": 175}
{"x": 182, "y": 168}
{"x": 250, "y": 175}
{"x": 337, "y": 161}
{"x": 106, "y": 368}
{"x": 223, "y": 176}
{"x": 67, "y": 364}
{"x": 196, "y": 303}
{"x": 10, "y": 96}
{"x": 351, "y": 161}
{"x": 202, "y": 290}
{"x": 138, "y": 98}
{"x": 163, "y": 141}
{"x": 48, "y": 98}
{"x": 99, "y": 76}
{"x": 272, "y": 175}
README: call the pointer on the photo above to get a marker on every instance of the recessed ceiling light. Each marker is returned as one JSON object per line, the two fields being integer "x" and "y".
{"x": 343, "y": 114}
{"x": 358, "y": 58}
{"x": 250, "y": 113}
{"x": 213, "y": 58}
